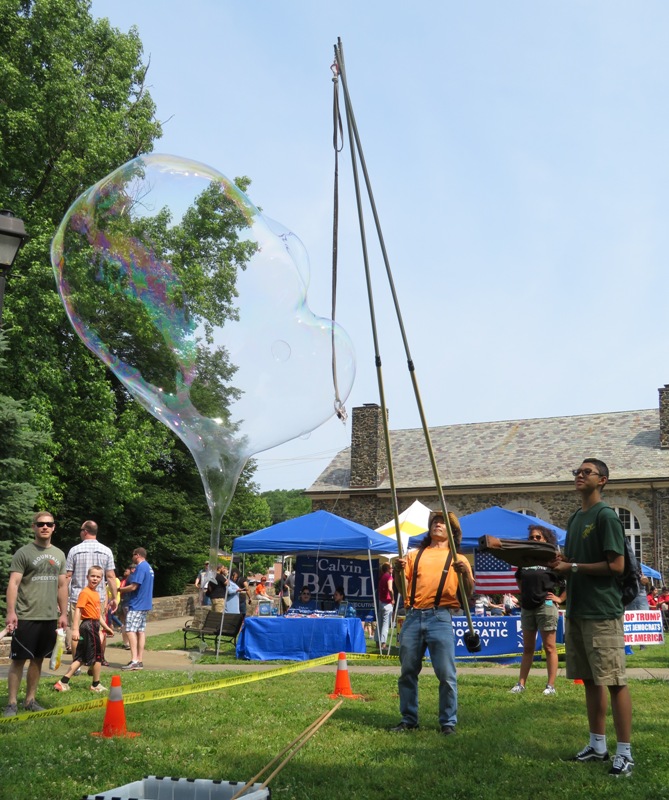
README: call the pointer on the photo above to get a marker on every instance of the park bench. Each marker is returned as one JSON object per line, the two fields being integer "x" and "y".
{"x": 210, "y": 628}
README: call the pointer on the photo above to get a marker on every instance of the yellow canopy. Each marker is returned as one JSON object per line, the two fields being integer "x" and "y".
{"x": 412, "y": 522}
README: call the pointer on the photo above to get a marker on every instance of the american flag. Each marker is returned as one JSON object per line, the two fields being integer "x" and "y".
{"x": 493, "y": 576}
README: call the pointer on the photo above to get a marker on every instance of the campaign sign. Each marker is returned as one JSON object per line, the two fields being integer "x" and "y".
{"x": 643, "y": 627}
{"x": 501, "y": 637}
{"x": 323, "y": 574}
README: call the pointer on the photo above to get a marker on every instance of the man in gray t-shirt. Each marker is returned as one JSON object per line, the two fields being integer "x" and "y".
{"x": 36, "y": 607}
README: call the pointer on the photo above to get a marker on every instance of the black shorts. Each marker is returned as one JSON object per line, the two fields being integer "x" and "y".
{"x": 33, "y": 639}
{"x": 89, "y": 647}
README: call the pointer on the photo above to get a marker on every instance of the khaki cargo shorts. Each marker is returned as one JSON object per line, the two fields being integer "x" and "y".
{"x": 544, "y": 618}
{"x": 596, "y": 651}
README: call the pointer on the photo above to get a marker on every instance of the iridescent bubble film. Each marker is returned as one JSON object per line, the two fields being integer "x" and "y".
{"x": 198, "y": 304}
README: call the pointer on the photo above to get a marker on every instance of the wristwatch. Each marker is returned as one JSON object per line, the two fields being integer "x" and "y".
{"x": 574, "y": 567}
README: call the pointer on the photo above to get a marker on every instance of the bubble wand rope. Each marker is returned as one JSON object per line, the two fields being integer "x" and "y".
{"x": 370, "y": 298}
{"x": 472, "y": 639}
{"x": 297, "y": 743}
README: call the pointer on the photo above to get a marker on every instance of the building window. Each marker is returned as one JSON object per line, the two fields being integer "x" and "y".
{"x": 527, "y": 511}
{"x": 632, "y": 529}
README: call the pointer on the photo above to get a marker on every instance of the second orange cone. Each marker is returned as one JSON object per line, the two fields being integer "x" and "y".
{"x": 114, "y": 722}
{"x": 342, "y": 681}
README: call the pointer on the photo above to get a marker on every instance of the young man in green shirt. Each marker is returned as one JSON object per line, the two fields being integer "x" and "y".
{"x": 36, "y": 608}
{"x": 593, "y": 562}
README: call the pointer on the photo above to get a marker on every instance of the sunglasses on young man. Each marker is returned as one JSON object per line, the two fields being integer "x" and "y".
{"x": 585, "y": 471}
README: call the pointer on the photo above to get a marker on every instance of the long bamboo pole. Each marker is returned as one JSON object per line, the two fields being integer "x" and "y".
{"x": 353, "y": 141}
{"x": 472, "y": 639}
{"x": 300, "y": 740}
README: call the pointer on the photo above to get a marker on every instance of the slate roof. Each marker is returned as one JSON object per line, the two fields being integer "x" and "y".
{"x": 516, "y": 452}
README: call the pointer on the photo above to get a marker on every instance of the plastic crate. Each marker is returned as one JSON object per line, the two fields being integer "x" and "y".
{"x": 154, "y": 788}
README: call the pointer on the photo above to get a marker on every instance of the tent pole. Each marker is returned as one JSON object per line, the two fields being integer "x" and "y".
{"x": 283, "y": 583}
{"x": 374, "y": 597}
{"x": 220, "y": 630}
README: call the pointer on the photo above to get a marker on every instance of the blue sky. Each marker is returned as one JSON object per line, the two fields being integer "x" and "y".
{"x": 518, "y": 157}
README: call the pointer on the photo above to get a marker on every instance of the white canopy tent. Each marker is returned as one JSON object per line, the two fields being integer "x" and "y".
{"x": 413, "y": 521}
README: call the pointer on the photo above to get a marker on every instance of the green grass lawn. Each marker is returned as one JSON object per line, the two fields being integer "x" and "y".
{"x": 507, "y": 746}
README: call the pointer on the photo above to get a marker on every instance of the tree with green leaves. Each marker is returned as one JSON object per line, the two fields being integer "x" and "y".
{"x": 73, "y": 107}
{"x": 21, "y": 445}
{"x": 287, "y": 504}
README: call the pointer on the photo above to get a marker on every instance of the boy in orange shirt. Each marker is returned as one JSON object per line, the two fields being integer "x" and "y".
{"x": 87, "y": 618}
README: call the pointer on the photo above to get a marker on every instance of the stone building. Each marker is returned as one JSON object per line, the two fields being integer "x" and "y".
{"x": 522, "y": 465}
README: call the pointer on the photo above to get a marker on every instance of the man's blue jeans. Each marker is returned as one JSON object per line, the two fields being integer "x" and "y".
{"x": 433, "y": 629}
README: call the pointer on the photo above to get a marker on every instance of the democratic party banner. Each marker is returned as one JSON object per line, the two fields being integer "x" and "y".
{"x": 501, "y": 637}
{"x": 643, "y": 627}
{"x": 323, "y": 574}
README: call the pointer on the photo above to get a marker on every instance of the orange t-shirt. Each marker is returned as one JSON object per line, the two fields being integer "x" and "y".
{"x": 89, "y": 603}
{"x": 430, "y": 567}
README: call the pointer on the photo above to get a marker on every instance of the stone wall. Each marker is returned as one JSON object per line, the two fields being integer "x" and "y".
{"x": 664, "y": 415}
{"x": 368, "y": 447}
{"x": 180, "y": 605}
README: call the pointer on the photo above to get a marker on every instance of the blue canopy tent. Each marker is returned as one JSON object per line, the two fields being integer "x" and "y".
{"x": 649, "y": 572}
{"x": 495, "y": 521}
{"x": 318, "y": 532}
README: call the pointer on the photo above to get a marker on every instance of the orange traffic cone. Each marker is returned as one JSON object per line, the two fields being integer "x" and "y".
{"x": 114, "y": 722}
{"x": 342, "y": 682}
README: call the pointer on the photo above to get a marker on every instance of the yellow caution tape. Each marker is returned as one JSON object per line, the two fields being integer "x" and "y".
{"x": 480, "y": 656}
{"x": 220, "y": 683}
{"x": 61, "y": 711}
{"x": 370, "y": 657}
{"x": 474, "y": 657}
{"x": 174, "y": 691}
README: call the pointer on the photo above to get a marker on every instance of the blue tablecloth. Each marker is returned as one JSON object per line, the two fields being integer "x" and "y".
{"x": 299, "y": 638}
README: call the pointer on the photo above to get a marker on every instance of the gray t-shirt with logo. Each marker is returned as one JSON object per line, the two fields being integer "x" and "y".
{"x": 38, "y": 591}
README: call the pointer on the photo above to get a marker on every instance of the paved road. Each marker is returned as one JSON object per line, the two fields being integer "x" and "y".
{"x": 182, "y": 661}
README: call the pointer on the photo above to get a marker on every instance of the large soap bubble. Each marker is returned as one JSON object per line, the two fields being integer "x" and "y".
{"x": 197, "y": 303}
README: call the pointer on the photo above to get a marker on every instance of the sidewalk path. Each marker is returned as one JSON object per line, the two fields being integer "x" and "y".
{"x": 182, "y": 661}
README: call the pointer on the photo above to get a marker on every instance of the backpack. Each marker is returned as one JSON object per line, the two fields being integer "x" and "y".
{"x": 630, "y": 585}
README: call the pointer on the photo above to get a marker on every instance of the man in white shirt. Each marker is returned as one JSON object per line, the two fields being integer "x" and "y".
{"x": 80, "y": 559}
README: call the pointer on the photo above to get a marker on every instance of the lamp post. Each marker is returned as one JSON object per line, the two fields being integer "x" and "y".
{"x": 12, "y": 236}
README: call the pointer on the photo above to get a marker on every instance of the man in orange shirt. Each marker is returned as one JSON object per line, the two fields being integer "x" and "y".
{"x": 432, "y": 588}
